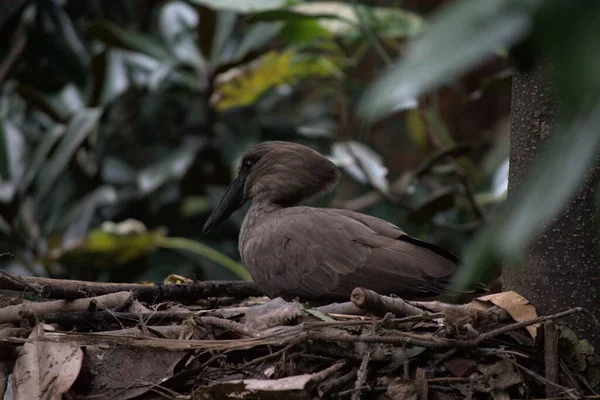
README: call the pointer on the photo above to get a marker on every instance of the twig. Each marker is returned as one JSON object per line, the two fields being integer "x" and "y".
{"x": 379, "y": 305}
{"x": 405, "y": 366}
{"x": 339, "y": 395}
{"x": 571, "y": 393}
{"x": 269, "y": 356}
{"x": 335, "y": 384}
{"x": 361, "y": 375}
{"x": 327, "y": 372}
{"x": 185, "y": 293}
{"x": 39, "y": 309}
{"x": 4, "y": 276}
{"x": 518, "y": 325}
{"x": 550, "y": 356}
{"x": 340, "y": 308}
{"x": 229, "y": 325}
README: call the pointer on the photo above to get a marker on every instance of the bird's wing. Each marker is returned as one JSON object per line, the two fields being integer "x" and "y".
{"x": 327, "y": 253}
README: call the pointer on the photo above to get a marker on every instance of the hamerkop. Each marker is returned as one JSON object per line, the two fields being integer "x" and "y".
{"x": 320, "y": 253}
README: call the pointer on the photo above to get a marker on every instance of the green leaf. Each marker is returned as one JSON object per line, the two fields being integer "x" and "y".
{"x": 79, "y": 128}
{"x": 256, "y": 37}
{"x": 39, "y": 101}
{"x": 342, "y": 19}
{"x": 111, "y": 245}
{"x": 103, "y": 195}
{"x": 172, "y": 167}
{"x": 178, "y": 21}
{"x": 5, "y": 226}
{"x": 116, "y": 36}
{"x": 225, "y": 24}
{"x": 443, "y": 199}
{"x": 303, "y": 31}
{"x": 207, "y": 252}
{"x": 243, "y": 6}
{"x": 40, "y": 155}
{"x": 458, "y": 37}
{"x": 58, "y": 38}
{"x": 362, "y": 163}
{"x": 569, "y": 155}
{"x": 242, "y": 87}
{"x": 12, "y": 159}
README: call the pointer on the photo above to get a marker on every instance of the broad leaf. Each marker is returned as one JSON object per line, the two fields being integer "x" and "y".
{"x": 459, "y": 36}
{"x": 243, "y": 6}
{"x": 174, "y": 166}
{"x": 178, "y": 21}
{"x": 240, "y": 87}
{"x": 116, "y": 36}
{"x": 569, "y": 156}
{"x": 341, "y": 19}
{"x": 78, "y": 129}
{"x": 41, "y": 154}
{"x": 362, "y": 162}
{"x": 112, "y": 244}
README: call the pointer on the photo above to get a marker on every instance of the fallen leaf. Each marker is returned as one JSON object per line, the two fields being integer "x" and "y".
{"x": 120, "y": 373}
{"x": 497, "y": 377}
{"x": 517, "y": 306}
{"x": 45, "y": 370}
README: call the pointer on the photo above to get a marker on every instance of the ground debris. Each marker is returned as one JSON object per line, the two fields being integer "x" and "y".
{"x": 118, "y": 345}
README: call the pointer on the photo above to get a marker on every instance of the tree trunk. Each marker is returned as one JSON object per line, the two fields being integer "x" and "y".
{"x": 563, "y": 268}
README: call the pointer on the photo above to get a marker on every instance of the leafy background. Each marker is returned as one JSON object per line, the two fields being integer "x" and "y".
{"x": 121, "y": 123}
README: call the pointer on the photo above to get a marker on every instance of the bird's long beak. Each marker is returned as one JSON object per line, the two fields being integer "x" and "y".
{"x": 231, "y": 201}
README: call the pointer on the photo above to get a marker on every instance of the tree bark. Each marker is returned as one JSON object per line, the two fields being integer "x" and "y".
{"x": 563, "y": 268}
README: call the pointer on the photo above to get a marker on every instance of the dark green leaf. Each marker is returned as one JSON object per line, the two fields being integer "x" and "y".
{"x": 243, "y": 6}
{"x": 256, "y": 37}
{"x": 81, "y": 125}
{"x": 12, "y": 152}
{"x": 225, "y": 25}
{"x": 440, "y": 201}
{"x": 116, "y": 36}
{"x": 56, "y": 35}
{"x": 303, "y": 31}
{"x": 41, "y": 154}
{"x": 172, "y": 167}
{"x": 38, "y": 100}
{"x": 459, "y": 36}
{"x": 571, "y": 153}
{"x": 178, "y": 21}
{"x": 104, "y": 195}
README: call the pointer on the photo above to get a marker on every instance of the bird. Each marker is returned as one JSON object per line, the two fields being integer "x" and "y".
{"x": 296, "y": 251}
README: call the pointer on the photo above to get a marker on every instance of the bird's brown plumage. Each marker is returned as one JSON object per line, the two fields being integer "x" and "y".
{"x": 321, "y": 253}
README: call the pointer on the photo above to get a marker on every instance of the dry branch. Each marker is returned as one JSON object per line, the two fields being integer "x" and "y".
{"x": 185, "y": 293}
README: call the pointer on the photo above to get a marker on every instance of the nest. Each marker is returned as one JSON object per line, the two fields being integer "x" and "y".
{"x": 221, "y": 340}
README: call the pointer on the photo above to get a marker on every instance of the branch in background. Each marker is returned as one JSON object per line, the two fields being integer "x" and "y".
{"x": 399, "y": 186}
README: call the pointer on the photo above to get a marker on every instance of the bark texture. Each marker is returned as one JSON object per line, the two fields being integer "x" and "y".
{"x": 563, "y": 269}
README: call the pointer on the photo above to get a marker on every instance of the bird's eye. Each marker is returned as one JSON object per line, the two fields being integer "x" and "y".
{"x": 247, "y": 164}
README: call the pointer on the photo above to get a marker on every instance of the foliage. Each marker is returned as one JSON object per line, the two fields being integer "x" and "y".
{"x": 530, "y": 28}
{"x": 111, "y": 113}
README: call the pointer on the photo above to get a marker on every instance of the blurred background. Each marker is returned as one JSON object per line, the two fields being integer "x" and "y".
{"x": 121, "y": 124}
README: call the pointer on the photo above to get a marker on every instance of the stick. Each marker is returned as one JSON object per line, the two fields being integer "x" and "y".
{"x": 550, "y": 356}
{"x": 39, "y": 309}
{"x": 380, "y": 305}
{"x": 186, "y": 293}
{"x": 230, "y": 325}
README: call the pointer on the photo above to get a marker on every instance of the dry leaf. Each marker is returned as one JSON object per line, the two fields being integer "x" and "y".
{"x": 121, "y": 373}
{"x": 284, "y": 388}
{"x": 516, "y": 306}
{"x": 45, "y": 370}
